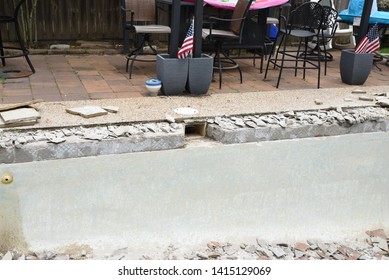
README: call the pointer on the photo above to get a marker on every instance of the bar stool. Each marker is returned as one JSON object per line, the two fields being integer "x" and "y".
{"x": 7, "y": 19}
{"x": 305, "y": 22}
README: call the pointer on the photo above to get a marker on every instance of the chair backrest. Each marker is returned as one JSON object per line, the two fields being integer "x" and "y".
{"x": 329, "y": 21}
{"x": 327, "y": 3}
{"x": 143, "y": 10}
{"x": 240, "y": 12}
{"x": 308, "y": 16}
{"x": 18, "y": 7}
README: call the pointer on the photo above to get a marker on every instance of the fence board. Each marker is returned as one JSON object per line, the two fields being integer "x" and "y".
{"x": 69, "y": 20}
{"x": 59, "y": 20}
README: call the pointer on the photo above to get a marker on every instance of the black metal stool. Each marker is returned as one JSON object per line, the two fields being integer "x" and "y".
{"x": 4, "y": 19}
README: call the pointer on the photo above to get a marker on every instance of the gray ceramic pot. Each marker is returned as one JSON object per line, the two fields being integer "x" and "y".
{"x": 173, "y": 73}
{"x": 200, "y": 74}
{"x": 355, "y": 67}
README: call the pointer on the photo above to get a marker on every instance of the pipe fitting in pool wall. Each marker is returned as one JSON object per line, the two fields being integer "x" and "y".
{"x": 7, "y": 178}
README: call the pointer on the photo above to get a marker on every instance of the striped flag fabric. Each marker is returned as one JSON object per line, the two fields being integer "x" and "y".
{"x": 370, "y": 43}
{"x": 187, "y": 46}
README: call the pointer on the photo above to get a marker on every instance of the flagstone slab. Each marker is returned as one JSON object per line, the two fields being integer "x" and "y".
{"x": 20, "y": 115}
{"x": 16, "y": 124}
{"x": 87, "y": 111}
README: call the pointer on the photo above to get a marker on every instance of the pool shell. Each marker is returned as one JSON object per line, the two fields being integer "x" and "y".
{"x": 324, "y": 179}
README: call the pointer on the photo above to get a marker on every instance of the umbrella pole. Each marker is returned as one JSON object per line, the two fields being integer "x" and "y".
{"x": 364, "y": 24}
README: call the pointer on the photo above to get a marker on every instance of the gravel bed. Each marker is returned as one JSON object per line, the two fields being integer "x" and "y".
{"x": 373, "y": 247}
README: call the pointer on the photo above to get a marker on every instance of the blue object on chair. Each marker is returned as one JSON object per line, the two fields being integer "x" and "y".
{"x": 273, "y": 30}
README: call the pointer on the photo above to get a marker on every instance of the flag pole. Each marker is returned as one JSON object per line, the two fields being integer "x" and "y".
{"x": 198, "y": 26}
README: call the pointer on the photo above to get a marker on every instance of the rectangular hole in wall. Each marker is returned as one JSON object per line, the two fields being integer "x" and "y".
{"x": 195, "y": 130}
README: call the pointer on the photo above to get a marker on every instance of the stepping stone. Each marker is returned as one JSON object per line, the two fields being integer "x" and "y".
{"x": 20, "y": 115}
{"x": 24, "y": 123}
{"x": 87, "y": 111}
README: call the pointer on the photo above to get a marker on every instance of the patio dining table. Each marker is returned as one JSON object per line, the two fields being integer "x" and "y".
{"x": 256, "y": 5}
{"x": 261, "y": 7}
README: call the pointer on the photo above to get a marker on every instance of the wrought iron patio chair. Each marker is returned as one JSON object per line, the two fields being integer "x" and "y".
{"x": 328, "y": 30}
{"x": 139, "y": 20}
{"x": 304, "y": 23}
{"x": 21, "y": 49}
{"x": 219, "y": 38}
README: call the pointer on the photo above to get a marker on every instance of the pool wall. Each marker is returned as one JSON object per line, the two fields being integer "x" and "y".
{"x": 327, "y": 188}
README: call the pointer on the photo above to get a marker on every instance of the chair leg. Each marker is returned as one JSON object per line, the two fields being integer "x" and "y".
{"x": 129, "y": 56}
{"x": 278, "y": 49}
{"x": 305, "y": 57}
{"x": 282, "y": 63}
{"x": 318, "y": 65}
{"x": 218, "y": 51}
{"x": 2, "y": 49}
{"x": 272, "y": 53}
{"x": 126, "y": 41}
{"x": 325, "y": 55}
{"x": 223, "y": 61}
{"x": 128, "y": 61}
{"x": 23, "y": 47}
{"x": 147, "y": 38}
{"x": 267, "y": 67}
{"x": 298, "y": 57}
{"x": 240, "y": 74}
{"x": 261, "y": 65}
{"x": 133, "y": 55}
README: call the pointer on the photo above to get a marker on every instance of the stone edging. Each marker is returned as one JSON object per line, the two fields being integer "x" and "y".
{"x": 25, "y": 146}
{"x": 301, "y": 124}
{"x": 76, "y": 142}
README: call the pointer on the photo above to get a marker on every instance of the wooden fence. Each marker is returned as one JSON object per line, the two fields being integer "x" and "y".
{"x": 64, "y": 20}
{"x": 69, "y": 20}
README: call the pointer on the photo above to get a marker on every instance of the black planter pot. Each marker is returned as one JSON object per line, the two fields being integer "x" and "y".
{"x": 173, "y": 73}
{"x": 199, "y": 74}
{"x": 355, "y": 67}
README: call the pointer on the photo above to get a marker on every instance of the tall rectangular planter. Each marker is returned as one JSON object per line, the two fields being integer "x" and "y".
{"x": 173, "y": 73}
{"x": 200, "y": 74}
{"x": 355, "y": 67}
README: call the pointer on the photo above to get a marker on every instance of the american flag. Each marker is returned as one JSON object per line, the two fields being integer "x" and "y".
{"x": 187, "y": 46}
{"x": 370, "y": 43}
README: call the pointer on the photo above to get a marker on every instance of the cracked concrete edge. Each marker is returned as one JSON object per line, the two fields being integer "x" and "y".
{"x": 322, "y": 123}
{"x": 42, "y": 150}
{"x": 75, "y": 147}
{"x": 275, "y": 132}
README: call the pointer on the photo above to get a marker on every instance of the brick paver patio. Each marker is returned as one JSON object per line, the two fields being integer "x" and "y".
{"x": 83, "y": 77}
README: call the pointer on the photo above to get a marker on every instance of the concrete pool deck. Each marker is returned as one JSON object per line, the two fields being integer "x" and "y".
{"x": 150, "y": 109}
{"x": 70, "y": 80}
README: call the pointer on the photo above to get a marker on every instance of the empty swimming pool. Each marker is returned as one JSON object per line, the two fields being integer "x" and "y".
{"x": 324, "y": 187}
